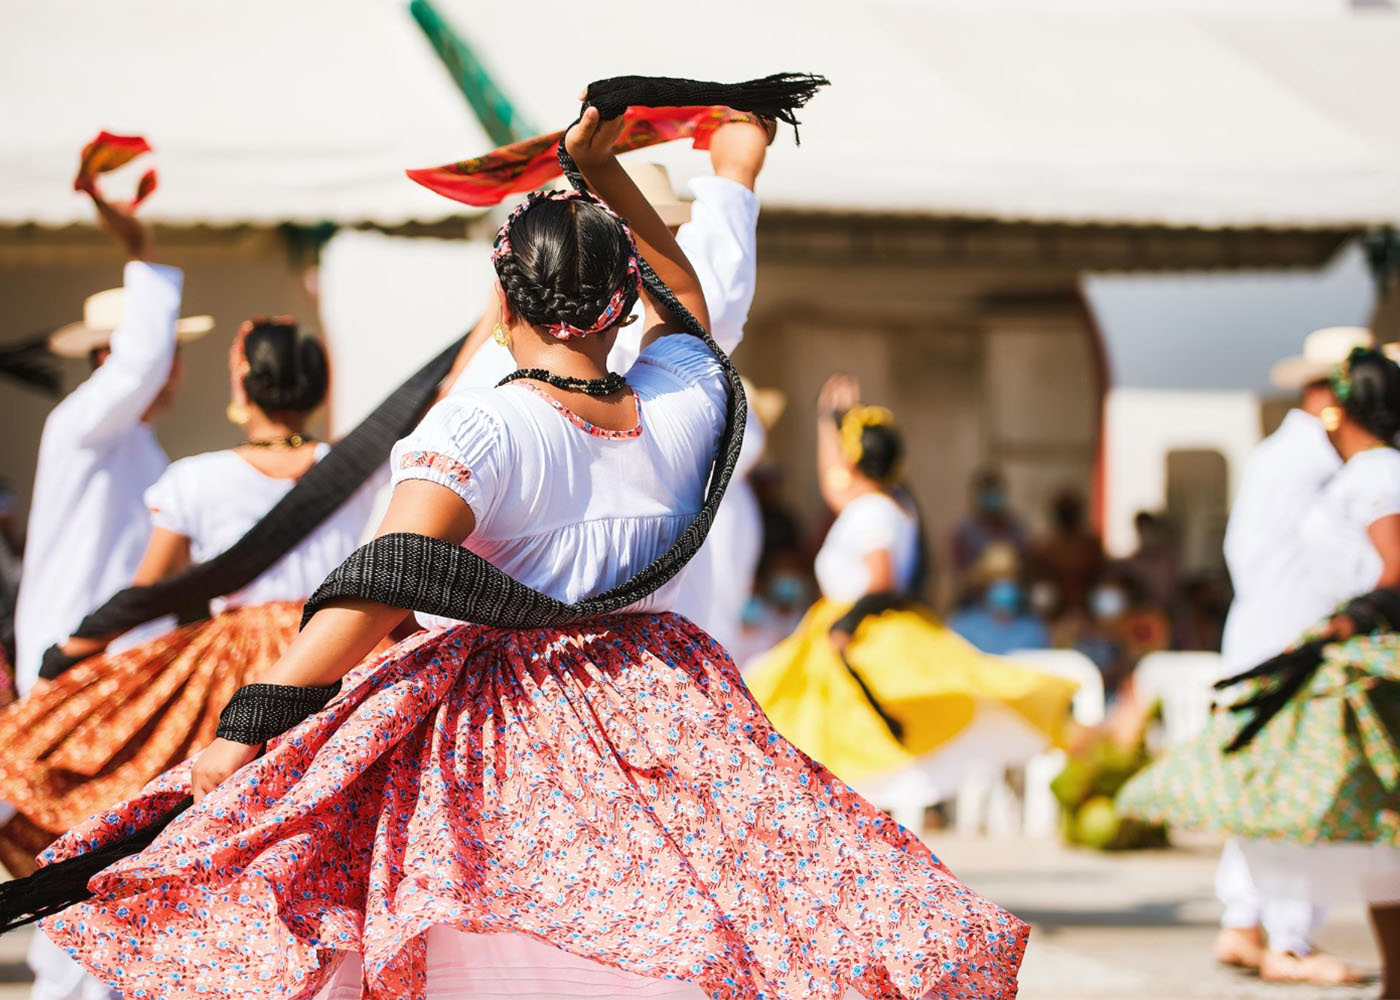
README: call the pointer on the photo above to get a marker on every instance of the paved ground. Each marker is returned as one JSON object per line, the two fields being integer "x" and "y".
{"x": 1134, "y": 925}
{"x": 1125, "y": 927}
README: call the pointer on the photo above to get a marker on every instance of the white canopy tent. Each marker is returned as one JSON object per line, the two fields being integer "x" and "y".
{"x": 1073, "y": 113}
{"x": 260, "y": 112}
{"x": 1159, "y": 112}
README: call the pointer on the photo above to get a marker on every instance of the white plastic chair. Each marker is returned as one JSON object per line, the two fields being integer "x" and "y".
{"x": 1183, "y": 683}
{"x": 1040, "y": 813}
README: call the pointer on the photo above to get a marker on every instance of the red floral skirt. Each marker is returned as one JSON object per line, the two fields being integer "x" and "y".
{"x": 109, "y": 725}
{"x": 610, "y": 790}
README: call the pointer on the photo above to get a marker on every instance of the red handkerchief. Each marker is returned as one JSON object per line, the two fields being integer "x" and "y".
{"x": 108, "y": 152}
{"x": 525, "y": 165}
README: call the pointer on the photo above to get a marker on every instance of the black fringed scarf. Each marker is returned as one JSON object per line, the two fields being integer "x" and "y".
{"x": 418, "y": 573}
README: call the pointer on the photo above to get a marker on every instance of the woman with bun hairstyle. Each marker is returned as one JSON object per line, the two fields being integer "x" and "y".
{"x": 1302, "y": 759}
{"x": 99, "y": 726}
{"x": 559, "y": 788}
{"x": 871, "y": 683}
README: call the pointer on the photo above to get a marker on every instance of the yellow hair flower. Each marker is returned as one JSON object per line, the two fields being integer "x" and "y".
{"x": 853, "y": 426}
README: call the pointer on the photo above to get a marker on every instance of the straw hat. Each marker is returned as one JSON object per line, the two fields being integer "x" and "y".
{"x": 1323, "y": 350}
{"x": 767, "y": 404}
{"x": 654, "y": 181}
{"x": 101, "y": 314}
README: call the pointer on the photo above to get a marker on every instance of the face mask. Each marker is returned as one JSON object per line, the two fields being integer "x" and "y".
{"x": 1108, "y": 602}
{"x": 788, "y": 589}
{"x": 1043, "y": 597}
{"x": 990, "y": 500}
{"x": 752, "y": 615}
{"x": 1004, "y": 596}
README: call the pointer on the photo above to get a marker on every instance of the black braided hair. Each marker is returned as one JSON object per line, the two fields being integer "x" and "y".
{"x": 567, "y": 260}
{"x": 286, "y": 371}
{"x": 881, "y": 452}
{"x": 1369, "y": 390}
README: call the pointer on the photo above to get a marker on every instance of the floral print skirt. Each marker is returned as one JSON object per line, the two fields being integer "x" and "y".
{"x": 610, "y": 792}
{"x": 98, "y": 733}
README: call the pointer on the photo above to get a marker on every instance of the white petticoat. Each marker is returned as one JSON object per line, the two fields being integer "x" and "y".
{"x": 1325, "y": 873}
{"x": 997, "y": 738}
{"x": 517, "y": 967}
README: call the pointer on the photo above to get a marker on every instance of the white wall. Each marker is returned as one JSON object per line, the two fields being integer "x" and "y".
{"x": 1142, "y": 425}
{"x": 389, "y": 303}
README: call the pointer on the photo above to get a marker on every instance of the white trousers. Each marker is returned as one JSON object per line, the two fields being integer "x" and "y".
{"x": 58, "y": 977}
{"x": 1289, "y": 922}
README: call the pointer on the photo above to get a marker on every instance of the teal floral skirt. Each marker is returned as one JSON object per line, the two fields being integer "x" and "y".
{"x": 1324, "y": 770}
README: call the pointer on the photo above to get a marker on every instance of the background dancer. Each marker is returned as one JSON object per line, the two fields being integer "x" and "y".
{"x": 88, "y": 525}
{"x": 1276, "y": 599}
{"x": 870, "y": 683}
{"x": 1303, "y": 770}
{"x": 111, "y": 723}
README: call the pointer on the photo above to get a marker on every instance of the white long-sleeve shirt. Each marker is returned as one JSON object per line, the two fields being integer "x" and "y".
{"x": 721, "y": 243}
{"x": 1276, "y": 598}
{"x": 88, "y": 523}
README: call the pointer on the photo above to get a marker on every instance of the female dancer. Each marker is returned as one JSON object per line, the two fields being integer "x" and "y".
{"x": 899, "y": 706}
{"x": 102, "y": 729}
{"x": 587, "y": 809}
{"x": 1304, "y": 769}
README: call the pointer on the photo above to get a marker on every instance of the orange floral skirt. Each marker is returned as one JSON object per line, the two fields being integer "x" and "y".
{"x": 106, "y": 727}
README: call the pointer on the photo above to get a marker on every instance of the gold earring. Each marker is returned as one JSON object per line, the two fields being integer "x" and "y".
{"x": 501, "y": 335}
{"x": 238, "y": 414}
{"x": 1331, "y": 417}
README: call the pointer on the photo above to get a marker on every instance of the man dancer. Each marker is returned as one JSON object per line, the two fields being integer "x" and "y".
{"x": 88, "y": 524}
{"x": 1273, "y": 605}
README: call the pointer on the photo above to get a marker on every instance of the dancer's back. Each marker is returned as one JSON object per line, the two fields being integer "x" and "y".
{"x": 565, "y": 506}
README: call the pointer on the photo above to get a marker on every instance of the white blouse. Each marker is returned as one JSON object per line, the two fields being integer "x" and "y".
{"x": 214, "y": 498}
{"x": 867, "y": 524}
{"x": 1344, "y": 563}
{"x": 566, "y": 507}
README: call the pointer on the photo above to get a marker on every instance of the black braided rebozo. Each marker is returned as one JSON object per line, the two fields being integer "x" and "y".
{"x": 418, "y": 573}
{"x": 317, "y": 495}
{"x": 777, "y": 96}
{"x": 429, "y": 575}
{"x": 1281, "y": 677}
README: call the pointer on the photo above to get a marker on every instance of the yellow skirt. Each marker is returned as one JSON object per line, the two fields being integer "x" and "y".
{"x": 924, "y": 676}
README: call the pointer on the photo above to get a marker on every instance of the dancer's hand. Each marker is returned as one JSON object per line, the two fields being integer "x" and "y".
{"x": 590, "y": 140}
{"x": 215, "y": 763}
{"x": 839, "y": 393}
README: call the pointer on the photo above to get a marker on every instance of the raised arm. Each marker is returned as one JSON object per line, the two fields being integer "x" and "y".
{"x": 838, "y": 394}
{"x": 116, "y": 396}
{"x": 721, "y": 238}
{"x": 590, "y": 142}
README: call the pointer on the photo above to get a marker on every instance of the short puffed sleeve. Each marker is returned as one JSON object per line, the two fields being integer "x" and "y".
{"x": 873, "y": 523}
{"x": 461, "y": 444}
{"x": 170, "y": 499}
